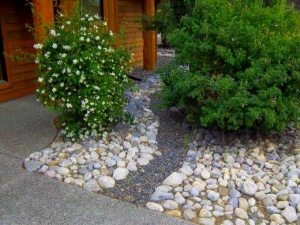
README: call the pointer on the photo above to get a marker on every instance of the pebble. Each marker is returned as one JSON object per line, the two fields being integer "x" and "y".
{"x": 213, "y": 196}
{"x": 63, "y": 171}
{"x": 175, "y": 213}
{"x": 170, "y": 204}
{"x": 106, "y": 182}
{"x": 154, "y": 206}
{"x": 241, "y": 213}
{"x": 289, "y": 213}
{"x": 173, "y": 180}
{"x": 120, "y": 173}
{"x": 205, "y": 174}
{"x": 249, "y": 187}
{"x": 207, "y": 221}
{"x": 204, "y": 213}
{"x": 91, "y": 185}
{"x": 31, "y": 165}
{"x": 189, "y": 214}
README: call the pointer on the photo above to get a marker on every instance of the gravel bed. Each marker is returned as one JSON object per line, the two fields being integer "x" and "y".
{"x": 98, "y": 164}
{"x": 138, "y": 186}
{"x": 235, "y": 178}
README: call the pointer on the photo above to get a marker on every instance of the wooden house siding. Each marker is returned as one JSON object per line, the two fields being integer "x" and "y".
{"x": 128, "y": 14}
{"x": 14, "y": 15}
{"x": 21, "y": 75}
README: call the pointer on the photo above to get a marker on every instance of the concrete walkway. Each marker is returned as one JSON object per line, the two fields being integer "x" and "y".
{"x": 27, "y": 198}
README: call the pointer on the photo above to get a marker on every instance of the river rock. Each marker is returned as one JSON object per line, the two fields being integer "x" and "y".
{"x": 120, "y": 173}
{"x": 106, "y": 182}
{"x": 170, "y": 204}
{"x": 173, "y": 180}
{"x": 249, "y": 187}
{"x": 92, "y": 185}
{"x": 289, "y": 213}
{"x": 154, "y": 206}
{"x": 241, "y": 213}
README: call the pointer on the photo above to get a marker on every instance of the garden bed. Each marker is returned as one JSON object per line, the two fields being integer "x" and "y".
{"x": 204, "y": 176}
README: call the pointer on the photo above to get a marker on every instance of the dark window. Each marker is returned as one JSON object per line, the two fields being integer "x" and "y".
{"x": 3, "y": 75}
{"x": 93, "y": 7}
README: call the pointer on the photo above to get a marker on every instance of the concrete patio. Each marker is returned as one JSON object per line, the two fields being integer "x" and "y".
{"x": 28, "y": 198}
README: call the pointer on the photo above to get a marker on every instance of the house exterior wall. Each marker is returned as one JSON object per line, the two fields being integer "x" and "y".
{"x": 127, "y": 16}
{"x": 14, "y": 15}
{"x": 21, "y": 75}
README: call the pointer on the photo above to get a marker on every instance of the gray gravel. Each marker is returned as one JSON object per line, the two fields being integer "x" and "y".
{"x": 138, "y": 186}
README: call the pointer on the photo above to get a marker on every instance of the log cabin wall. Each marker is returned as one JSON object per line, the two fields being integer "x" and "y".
{"x": 21, "y": 75}
{"x": 128, "y": 13}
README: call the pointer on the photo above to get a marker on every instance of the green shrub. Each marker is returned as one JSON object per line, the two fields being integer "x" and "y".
{"x": 82, "y": 76}
{"x": 240, "y": 65}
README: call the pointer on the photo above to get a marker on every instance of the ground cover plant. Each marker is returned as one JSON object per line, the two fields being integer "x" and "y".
{"x": 83, "y": 76}
{"x": 239, "y": 65}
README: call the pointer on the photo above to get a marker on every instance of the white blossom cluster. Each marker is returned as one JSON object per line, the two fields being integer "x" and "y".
{"x": 82, "y": 76}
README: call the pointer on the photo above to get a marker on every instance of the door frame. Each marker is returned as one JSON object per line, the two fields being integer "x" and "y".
{"x": 8, "y": 83}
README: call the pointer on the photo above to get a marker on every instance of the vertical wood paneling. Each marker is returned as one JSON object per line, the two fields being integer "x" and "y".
{"x": 128, "y": 14}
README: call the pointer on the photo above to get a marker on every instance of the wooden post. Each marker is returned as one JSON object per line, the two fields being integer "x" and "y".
{"x": 43, "y": 15}
{"x": 110, "y": 11}
{"x": 150, "y": 38}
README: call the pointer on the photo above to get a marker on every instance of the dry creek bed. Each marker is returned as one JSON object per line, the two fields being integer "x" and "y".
{"x": 199, "y": 175}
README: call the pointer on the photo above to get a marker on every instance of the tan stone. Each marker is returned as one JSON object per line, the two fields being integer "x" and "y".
{"x": 175, "y": 213}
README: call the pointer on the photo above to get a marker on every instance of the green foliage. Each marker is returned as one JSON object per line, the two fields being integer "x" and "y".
{"x": 83, "y": 76}
{"x": 168, "y": 16}
{"x": 241, "y": 65}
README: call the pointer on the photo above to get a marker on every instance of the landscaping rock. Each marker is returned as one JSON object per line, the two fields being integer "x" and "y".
{"x": 106, "y": 182}
{"x": 289, "y": 214}
{"x": 154, "y": 206}
{"x": 173, "y": 180}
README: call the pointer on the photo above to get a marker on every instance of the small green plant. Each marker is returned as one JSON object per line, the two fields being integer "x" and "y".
{"x": 237, "y": 65}
{"x": 83, "y": 76}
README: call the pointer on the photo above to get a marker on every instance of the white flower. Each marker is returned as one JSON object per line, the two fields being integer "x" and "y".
{"x": 63, "y": 55}
{"x": 36, "y": 61}
{"x": 53, "y": 33}
{"x": 54, "y": 45}
{"x": 54, "y": 90}
{"x": 67, "y": 47}
{"x": 62, "y": 27}
{"x": 68, "y": 70}
{"x": 99, "y": 47}
{"x": 62, "y": 84}
{"x": 111, "y": 33}
{"x": 47, "y": 54}
{"x": 38, "y": 46}
{"x": 69, "y": 105}
{"x": 50, "y": 80}
{"x": 81, "y": 39}
{"x": 40, "y": 79}
{"x": 43, "y": 91}
{"x": 104, "y": 23}
{"x": 77, "y": 72}
{"x": 68, "y": 22}
{"x": 75, "y": 61}
{"x": 97, "y": 38}
{"x": 88, "y": 40}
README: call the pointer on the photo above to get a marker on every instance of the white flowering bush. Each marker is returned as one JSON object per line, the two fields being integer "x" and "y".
{"x": 83, "y": 76}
